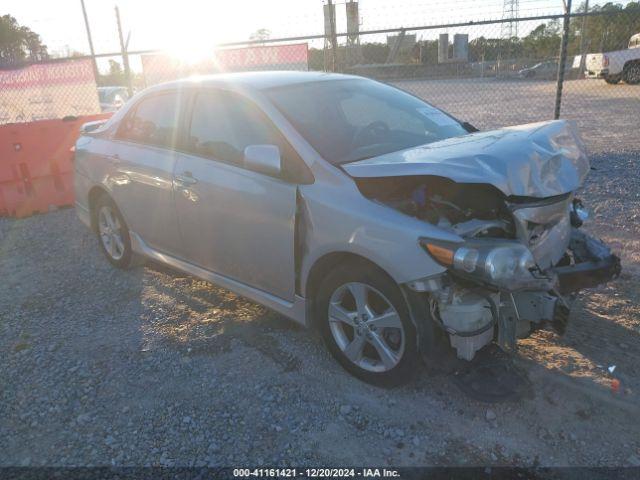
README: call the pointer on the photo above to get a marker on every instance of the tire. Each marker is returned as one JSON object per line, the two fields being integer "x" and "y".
{"x": 631, "y": 73}
{"x": 374, "y": 339}
{"x": 113, "y": 233}
{"x": 612, "y": 80}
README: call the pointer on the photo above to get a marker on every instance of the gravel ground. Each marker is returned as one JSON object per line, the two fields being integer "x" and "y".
{"x": 150, "y": 367}
{"x": 606, "y": 114}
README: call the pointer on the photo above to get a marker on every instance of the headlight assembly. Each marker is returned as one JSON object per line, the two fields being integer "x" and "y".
{"x": 505, "y": 264}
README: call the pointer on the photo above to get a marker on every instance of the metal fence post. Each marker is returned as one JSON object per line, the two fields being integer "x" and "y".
{"x": 93, "y": 53}
{"x": 125, "y": 56}
{"x": 563, "y": 58}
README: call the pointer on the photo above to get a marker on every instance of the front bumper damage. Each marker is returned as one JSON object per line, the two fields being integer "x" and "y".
{"x": 508, "y": 195}
{"x": 475, "y": 315}
{"x": 598, "y": 265}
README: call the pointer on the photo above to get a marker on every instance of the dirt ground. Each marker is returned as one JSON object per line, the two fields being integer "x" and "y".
{"x": 150, "y": 367}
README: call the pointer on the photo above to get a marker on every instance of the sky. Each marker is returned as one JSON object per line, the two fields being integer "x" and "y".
{"x": 183, "y": 24}
{"x": 187, "y": 26}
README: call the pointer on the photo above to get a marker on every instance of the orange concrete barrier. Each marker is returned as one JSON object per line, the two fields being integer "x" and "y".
{"x": 36, "y": 164}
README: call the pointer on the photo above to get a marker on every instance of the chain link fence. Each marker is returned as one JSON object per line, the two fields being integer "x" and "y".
{"x": 489, "y": 73}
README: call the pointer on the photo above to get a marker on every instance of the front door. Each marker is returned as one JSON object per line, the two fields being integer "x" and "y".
{"x": 233, "y": 221}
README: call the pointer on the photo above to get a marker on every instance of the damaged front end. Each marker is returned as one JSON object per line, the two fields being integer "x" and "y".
{"x": 522, "y": 256}
{"x": 495, "y": 283}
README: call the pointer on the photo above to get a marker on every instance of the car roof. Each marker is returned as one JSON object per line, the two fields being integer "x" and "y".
{"x": 255, "y": 80}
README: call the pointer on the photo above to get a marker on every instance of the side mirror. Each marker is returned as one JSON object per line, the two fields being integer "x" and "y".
{"x": 263, "y": 158}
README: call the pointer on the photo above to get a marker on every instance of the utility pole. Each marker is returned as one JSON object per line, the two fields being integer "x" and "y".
{"x": 93, "y": 53}
{"x": 125, "y": 55}
{"x": 563, "y": 58}
{"x": 583, "y": 37}
{"x": 334, "y": 38}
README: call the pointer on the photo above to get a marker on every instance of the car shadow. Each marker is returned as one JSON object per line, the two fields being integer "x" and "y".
{"x": 600, "y": 352}
{"x": 203, "y": 319}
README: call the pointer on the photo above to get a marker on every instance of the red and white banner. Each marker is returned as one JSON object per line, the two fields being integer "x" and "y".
{"x": 46, "y": 91}
{"x": 160, "y": 68}
{"x": 274, "y": 57}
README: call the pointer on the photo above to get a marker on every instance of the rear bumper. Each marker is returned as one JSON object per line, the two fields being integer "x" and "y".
{"x": 596, "y": 73}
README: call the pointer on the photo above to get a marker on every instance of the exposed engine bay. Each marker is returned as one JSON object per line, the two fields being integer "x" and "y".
{"x": 519, "y": 267}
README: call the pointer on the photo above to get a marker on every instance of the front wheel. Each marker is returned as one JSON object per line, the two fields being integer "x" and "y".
{"x": 365, "y": 324}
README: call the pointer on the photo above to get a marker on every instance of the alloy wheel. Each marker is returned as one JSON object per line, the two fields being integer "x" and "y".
{"x": 110, "y": 231}
{"x": 366, "y": 327}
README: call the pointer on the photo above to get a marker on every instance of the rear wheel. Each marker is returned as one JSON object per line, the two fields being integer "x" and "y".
{"x": 113, "y": 234}
{"x": 612, "y": 79}
{"x": 365, "y": 324}
{"x": 631, "y": 73}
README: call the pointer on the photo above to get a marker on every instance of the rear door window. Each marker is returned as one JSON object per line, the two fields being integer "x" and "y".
{"x": 154, "y": 121}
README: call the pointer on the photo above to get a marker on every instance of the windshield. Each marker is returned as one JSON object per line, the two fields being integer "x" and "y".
{"x": 354, "y": 119}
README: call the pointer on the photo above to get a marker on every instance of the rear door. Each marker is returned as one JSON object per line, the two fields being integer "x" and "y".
{"x": 143, "y": 159}
{"x": 234, "y": 221}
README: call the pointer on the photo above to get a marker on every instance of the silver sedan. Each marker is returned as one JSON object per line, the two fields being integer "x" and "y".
{"x": 348, "y": 205}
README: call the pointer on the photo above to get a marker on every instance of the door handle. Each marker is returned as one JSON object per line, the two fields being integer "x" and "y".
{"x": 185, "y": 179}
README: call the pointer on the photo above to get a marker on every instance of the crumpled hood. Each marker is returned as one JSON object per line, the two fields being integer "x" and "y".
{"x": 534, "y": 160}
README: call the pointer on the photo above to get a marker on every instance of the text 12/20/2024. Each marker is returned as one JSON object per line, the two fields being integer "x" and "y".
{"x": 315, "y": 473}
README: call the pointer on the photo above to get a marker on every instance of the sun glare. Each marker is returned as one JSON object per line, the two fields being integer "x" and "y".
{"x": 188, "y": 53}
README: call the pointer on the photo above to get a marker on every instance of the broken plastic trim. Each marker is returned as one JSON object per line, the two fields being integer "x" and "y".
{"x": 587, "y": 274}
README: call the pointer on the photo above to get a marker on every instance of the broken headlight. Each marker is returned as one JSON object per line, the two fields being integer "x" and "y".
{"x": 503, "y": 264}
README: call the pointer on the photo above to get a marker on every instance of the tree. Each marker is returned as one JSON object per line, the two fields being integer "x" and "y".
{"x": 611, "y": 31}
{"x": 18, "y": 43}
{"x": 374, "y": 52}
{"x": 543, "y": 41}
{"x": 262, "y": 34}
{"x": 115, "y": 75}
{"x": 115, "y": 69}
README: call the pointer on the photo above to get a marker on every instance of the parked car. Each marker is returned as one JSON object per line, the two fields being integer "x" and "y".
{"x": 112, "y": 98}
{"x": 544, "y": 70}
{"x": 617, "y": 65}
{"x": 349, "y": 205}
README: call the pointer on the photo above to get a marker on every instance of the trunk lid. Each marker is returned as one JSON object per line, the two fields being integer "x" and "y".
{"x": 534, "y": 160}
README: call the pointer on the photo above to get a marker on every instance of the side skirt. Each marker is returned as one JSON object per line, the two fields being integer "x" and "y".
{"x": 296, "y": 310}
